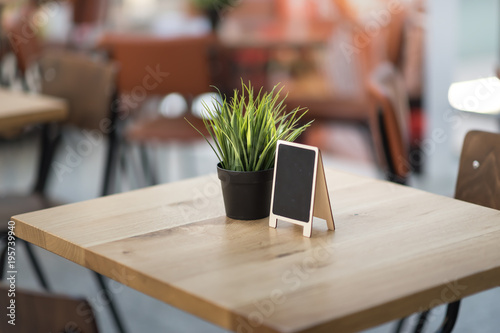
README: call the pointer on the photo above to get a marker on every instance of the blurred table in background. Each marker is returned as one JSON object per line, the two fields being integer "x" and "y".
{"x": 18, "y": 109}
{"x": 304, "y": 57}
{"x": 275, "y": 34}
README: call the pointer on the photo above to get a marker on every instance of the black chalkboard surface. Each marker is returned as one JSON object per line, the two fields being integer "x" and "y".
{"x": 294, "y": 182}
{"x": 299, "y": 187}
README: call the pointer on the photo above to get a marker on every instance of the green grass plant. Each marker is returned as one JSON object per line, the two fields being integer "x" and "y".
{"x": 246, "y": 128}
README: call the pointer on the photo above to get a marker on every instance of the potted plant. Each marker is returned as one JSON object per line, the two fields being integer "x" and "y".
{"x": 213, "y": 9}
{"x": 245, "y": 130}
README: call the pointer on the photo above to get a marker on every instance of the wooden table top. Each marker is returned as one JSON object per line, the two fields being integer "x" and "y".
{"x": 395, "y": 251}
{"x": 19, "y": 109}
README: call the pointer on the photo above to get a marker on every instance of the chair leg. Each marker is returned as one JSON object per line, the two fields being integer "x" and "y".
{"x": 111, "y": 160}
{"x": 111, "y": 304}
{"x": 154, "y": 166}
{"x": 123, "y": 174}
{"x": 136, "y": 167}
{"x": 400, "y": 325}
{"x": 36, "y": 266}
{"x": 385, "y": 150}
{"x": 49, "y": 141}
{"x": 396, "y": 179}
{"x": 3, "y": 259}
{"x": 422, "y": 319}
{"x": 451, "y": 318}
{"x": 32, "y": 258}
{"x": 147, "y": 166}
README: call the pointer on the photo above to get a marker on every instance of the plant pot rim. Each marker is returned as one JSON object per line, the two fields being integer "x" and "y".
{"x": 232, "y": 171}
{"x": 245, "y": 176}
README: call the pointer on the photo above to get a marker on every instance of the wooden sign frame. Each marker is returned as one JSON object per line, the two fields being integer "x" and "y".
{"x": 320, "y": 200}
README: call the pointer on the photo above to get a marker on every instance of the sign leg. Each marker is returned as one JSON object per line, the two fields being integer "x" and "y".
{"x": 273, "y": 221}
{"x": 322, "y": 206}
{"x": 307, "y": 230}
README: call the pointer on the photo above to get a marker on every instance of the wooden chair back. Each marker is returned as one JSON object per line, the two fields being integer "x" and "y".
{"x": 41, "y": 312}
{"x": 478, "y": 182}
{"x": 478, "y": 178}
{"x": 87, "y": 85}
{"x": 387, "y": 90}
{"x": 158, "y": 66}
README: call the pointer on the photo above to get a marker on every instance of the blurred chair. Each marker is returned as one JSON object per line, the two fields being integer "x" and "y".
{"x": 478, "y": 182}
{"x": 157, "y": 66}
{"x": 412, "y": 68}
{"x": 151, "y": 66}
{"x": 384, "y": 113}
{"x": 411, "y": 61}
{"x": 337, "y": 98}
{"x": 394, "y": 35}
{"x": 478, "y": 178}
{"x": 89, "y": 87}
{"x": 41, "y": 312}
{"x": 390, "y": 122}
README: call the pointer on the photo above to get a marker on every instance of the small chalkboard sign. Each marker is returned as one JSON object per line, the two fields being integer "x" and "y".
{"x": 299, "y": 187}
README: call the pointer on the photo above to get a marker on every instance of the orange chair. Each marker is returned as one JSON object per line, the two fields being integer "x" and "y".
{"x": 390, "y": 122}
{"x": 385, "y": 112}
{"x": 157, "y": 66}
{"x": 151, "y": 66}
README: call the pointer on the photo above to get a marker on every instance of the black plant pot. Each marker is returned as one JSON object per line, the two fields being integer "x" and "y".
{"x": 247, "y": 194}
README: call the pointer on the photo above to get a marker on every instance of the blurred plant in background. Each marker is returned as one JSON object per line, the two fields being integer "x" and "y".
{"x": 213, "y": 9}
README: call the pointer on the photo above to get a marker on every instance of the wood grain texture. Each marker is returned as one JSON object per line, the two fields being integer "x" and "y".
{"x": 395, "y": 251}
{"x": 18, "y": 109}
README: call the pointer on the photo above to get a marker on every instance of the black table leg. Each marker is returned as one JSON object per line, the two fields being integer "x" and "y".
{"x": 451, "y": 318}
{"x": 422, "y": 319}
{"x": 400, "y": 325}
{"x": 36, "y": 266}
{"x": 109, "y": 300}
{"x": 50, "y": 138}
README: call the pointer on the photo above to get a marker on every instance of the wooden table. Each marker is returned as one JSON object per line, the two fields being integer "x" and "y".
{"x": 18, "y": 109}
{"x": 396, "y": 250}
{"x": 277, "y": 33}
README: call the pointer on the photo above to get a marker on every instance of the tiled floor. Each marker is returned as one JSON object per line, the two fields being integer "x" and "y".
{"x": 145, "y": 314}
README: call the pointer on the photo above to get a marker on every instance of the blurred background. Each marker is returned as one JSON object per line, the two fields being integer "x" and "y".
{"x": 374, "y": 75}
